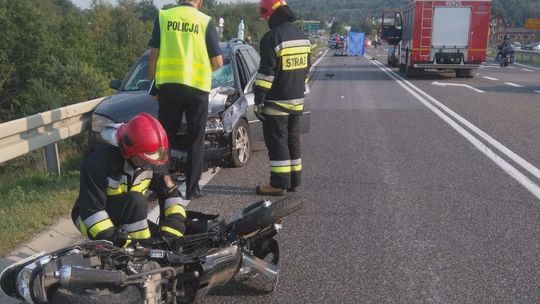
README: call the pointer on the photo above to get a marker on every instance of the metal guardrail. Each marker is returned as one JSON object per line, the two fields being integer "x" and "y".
{"x": 526, "y": 55}
{"x": 44, "y": 130}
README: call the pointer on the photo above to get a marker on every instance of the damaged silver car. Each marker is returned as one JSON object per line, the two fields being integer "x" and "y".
{"x": 231, "y": 126}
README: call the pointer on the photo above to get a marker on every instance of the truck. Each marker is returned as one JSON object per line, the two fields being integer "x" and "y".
{"x": 437, "y": 34}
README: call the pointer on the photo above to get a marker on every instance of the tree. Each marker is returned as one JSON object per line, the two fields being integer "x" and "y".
{"x": 337, "y": 27}
{"x": 147, "y": 10}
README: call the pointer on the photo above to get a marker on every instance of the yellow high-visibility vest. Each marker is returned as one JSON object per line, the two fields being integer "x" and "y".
{"x": 183, "y": 56}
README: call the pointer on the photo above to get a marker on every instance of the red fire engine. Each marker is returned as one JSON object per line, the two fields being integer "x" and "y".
{"x": 440, "y": 35}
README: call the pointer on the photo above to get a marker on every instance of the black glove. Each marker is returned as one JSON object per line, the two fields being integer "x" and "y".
{"x": 257, "y": 110}
{"x": 119, "y": 238}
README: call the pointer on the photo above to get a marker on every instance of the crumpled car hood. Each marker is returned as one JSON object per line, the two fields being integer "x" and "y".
{"x": 122, "y": 106}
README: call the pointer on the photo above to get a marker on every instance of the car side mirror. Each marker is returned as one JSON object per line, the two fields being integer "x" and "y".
{"x": 115, "y": 84}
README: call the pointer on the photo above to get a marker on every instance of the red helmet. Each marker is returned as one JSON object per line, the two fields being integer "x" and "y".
{"x": 144, "y": 137}
{"x": 268, "y": 7}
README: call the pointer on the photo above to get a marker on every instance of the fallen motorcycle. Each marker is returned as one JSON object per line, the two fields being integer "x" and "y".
{"x": 162, "y": 271}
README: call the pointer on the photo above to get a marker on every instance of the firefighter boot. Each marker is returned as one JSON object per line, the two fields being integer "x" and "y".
{"x": 270, "y": 190}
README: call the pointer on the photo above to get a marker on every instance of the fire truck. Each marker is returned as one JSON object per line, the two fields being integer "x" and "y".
{"x": 441, "y": 35}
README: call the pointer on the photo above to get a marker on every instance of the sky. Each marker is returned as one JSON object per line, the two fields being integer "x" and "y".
{"x": 159, "y": 3}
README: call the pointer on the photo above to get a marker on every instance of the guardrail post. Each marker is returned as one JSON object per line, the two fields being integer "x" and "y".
{"x": 52, "y": 162}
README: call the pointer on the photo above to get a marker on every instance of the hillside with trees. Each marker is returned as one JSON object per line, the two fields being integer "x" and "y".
{"x": 54, "y": 54}
{"x": 352, "y": 11}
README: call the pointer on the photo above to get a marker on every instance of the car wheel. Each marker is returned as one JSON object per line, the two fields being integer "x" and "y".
{"x": 240, "y": 144}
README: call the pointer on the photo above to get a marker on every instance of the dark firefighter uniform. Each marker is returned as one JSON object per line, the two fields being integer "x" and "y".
{"x": 279, "y": 85}
{"x": 112, "y": 202}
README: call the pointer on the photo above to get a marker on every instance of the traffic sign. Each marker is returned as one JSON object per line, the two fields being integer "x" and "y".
{"x": 532, "y": 24}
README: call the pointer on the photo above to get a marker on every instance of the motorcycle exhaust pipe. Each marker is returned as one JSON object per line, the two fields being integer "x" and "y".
{"x": 74, "y": 276}
{"x": 267, "y": 269}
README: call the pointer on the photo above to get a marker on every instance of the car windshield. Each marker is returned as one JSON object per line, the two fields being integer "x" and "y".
{"x": 223, "y": 76}
{"x": 138, "y": 79}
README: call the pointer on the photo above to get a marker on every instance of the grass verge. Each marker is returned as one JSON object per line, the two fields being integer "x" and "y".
{"x": 31, "y": 200}
{"x": 30, "y": 204}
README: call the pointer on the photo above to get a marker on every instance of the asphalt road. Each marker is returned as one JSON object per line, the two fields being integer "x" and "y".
{"x": 405, "y": 205}
{"x": 417, "y": 192}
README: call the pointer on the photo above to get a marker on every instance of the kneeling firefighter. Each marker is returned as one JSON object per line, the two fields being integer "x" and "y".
{"x": 112, "y": 203}
{"x": 279, "y": 94}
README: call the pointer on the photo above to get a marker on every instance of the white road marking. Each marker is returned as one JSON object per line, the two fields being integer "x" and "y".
{"x": 437, "y": 107}
{"x": 318, "y": 60}
{"x": 527, "y": 66}
{"x": 527, "y": 70}
{"x": 537, "y": 92}
{"x": 511, "y": 67}
{"x": 490, "y": 78}
{"x": 444, "y": 84}
{"x": 514, "y": 84}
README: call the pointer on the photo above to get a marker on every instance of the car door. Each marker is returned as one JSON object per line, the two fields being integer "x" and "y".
{"x": 247, "y": 70}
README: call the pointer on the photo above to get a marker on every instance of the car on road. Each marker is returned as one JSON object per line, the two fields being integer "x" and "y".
{"x": 535, "y": 46}
{"x": 231, "y": 126}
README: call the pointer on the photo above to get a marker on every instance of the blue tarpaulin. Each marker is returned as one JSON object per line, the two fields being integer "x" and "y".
{"x": 355, "y": 44}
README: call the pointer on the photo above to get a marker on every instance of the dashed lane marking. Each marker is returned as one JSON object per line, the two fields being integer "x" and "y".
{"x": 514, "y": 84}
{"x": 490, "y": 78}
{"x": 527, "y": 70}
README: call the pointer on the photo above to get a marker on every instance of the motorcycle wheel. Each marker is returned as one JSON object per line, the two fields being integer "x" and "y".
{"x": 129, "y": 295}
{"x": 270, "y": 215}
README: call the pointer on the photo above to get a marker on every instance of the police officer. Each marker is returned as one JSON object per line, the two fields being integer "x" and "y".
{"x": 184, "y": 52}
{"x": 112, "y": 203}
{"x": 279, "y": 94}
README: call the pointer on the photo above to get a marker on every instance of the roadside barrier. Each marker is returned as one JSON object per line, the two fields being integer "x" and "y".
{"x": 44, "y": 130}
{"x": 527, "y": 56}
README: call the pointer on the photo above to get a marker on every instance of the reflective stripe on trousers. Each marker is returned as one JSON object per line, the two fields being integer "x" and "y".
{"x": 282, "y": 138}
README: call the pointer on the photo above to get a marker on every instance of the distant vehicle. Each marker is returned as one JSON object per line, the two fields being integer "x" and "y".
{"x": 367, "y": 42}
{"x": 440, "y": 35}
{"x": 517, "y": 45}
{"x": 505, "y": 56}
{"x": 535, "y": 46}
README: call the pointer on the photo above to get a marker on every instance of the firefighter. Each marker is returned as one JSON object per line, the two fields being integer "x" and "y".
{"x": 279, "y": 94}
{"x": 114, "y": 182}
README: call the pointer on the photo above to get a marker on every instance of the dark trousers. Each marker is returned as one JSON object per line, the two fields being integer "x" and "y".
{"x": 174, "y": 101}
{"x": 123, "y": 210}
{"x": 282, "y": 138}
